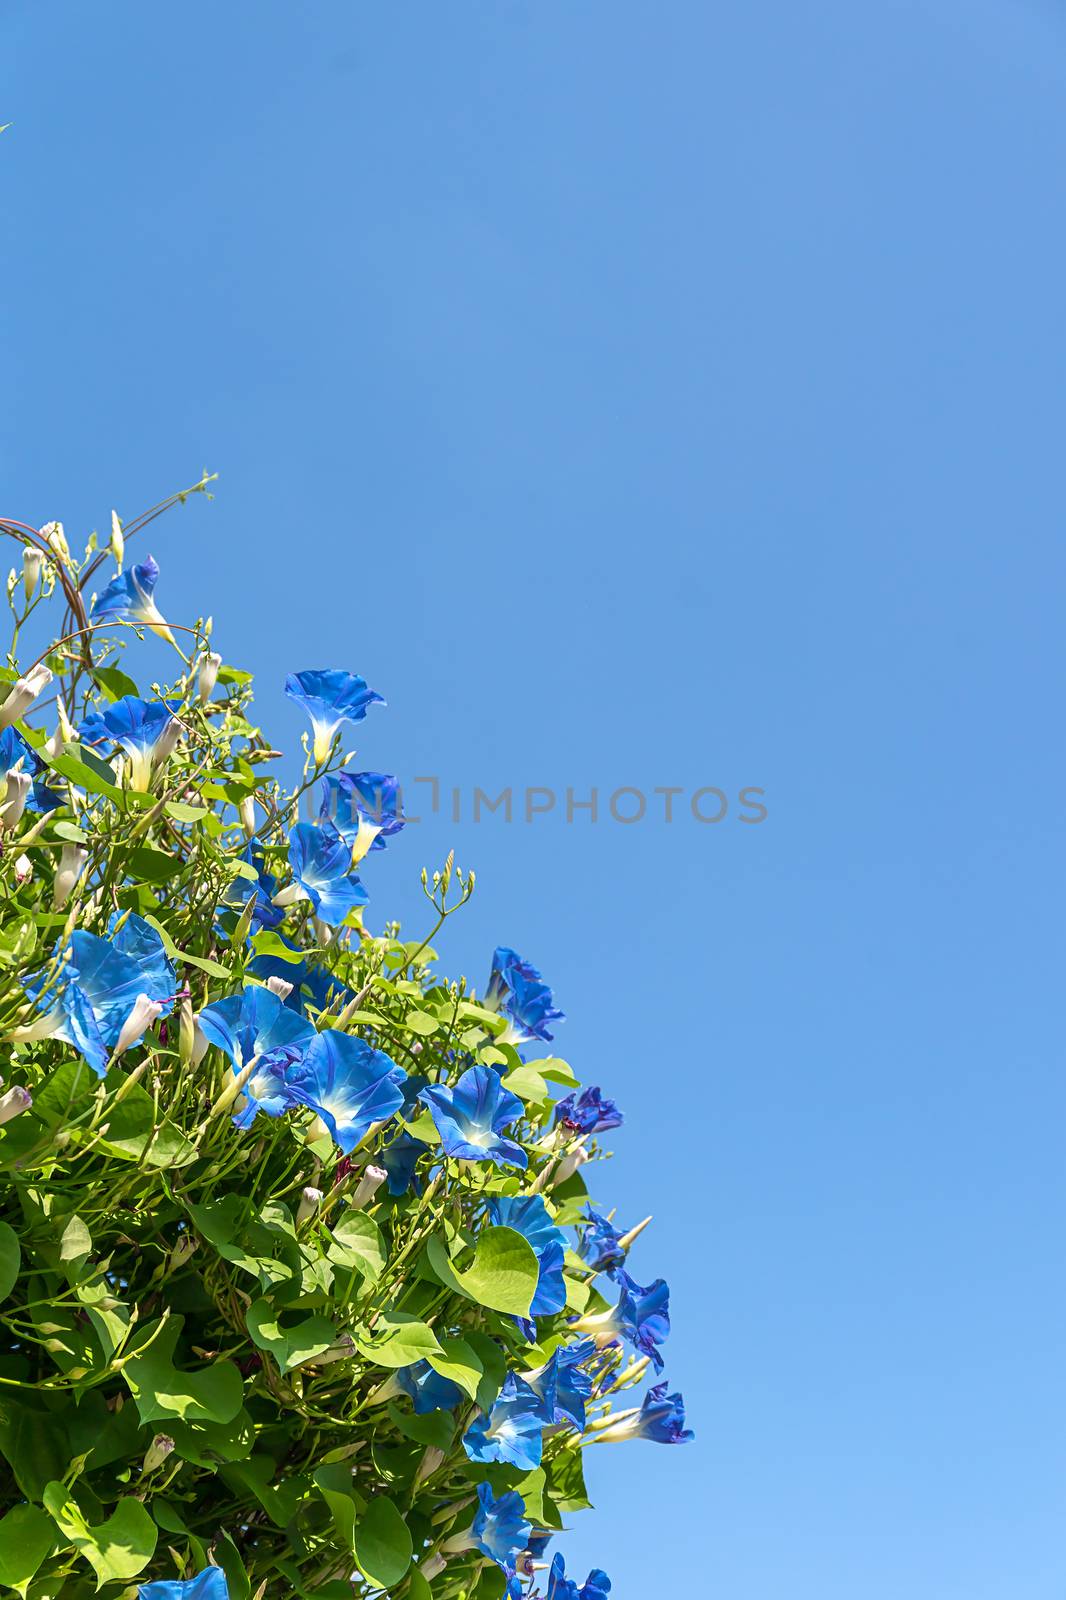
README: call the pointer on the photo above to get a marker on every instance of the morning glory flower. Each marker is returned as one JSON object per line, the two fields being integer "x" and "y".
{"x": 517, "y": 990}
{"x": 210, "y": 1584}
{"x": 321, "y": 869}
{"x": 131, "y": 598}
{"x": 528, "y": 1215}
{"x": 350, "y": 1085}
{"x": 265, "y": 914}
{"x": 513, "y": 1430}
{"x": 16, "y": 755}
{"x": 255, "y": 1026}
{"x": 661, "y": 1417}
{"x": 500, "y": 1530}
{"x": 399, "y": 1160}
{"x": 108, "y": 993}
{"x": 563, "y": 1385}
{"x": 642, "y": 1316}
{"x": 145, "y": 730}
{"x": 470, "y": 1118}
{"x": 588, "y": 1112}
{"x": 598, "y": 1244}
{"x": 330, "y": 697}
{"x": 595, "y": 1587}
{"x": 364, "y": 807}
{"x": 428, "y": 1390}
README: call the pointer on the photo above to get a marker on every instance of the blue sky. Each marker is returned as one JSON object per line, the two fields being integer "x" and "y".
{"x": 652, "y": 396}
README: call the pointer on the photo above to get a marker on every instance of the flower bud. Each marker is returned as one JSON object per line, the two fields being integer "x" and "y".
{"x": 118, "y": 543}
{"x": 343, "y": 1350}
{"x": 143, "y": 1013}
{"x": 57, "y": 540}
{"x": 310, "y": 1200}
{"x": 32, "y": 566}
{"x": 182, "y": 1251}
{"x": 23, "y": 869}
{"x": 16, "y": 792}
{"x": 571, "y": 1162}
{"x": 367, "y": 1187}
{"x": 23, "y": 693}
{"x": 280, "y": 987}
{"x": 71, "y": 866}
{"x": 14, "y": 1103}
{"x": 157, "y": 1452}
{"x": 431, "y": 1460}
{"x": 246, "y": 812}
{"x": 167, "y": 742}
{"x": 210, "y": 662}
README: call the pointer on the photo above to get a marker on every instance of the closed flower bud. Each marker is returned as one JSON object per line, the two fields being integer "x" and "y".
{"x": 343, "y": 1350}
{"x": 167, "y": 742}
{"x": 157, "y": 1452}
{"x": 64, "y": 733}
{"x": 118, "y": 543}
{"x": 182, "y": 1251}
{"x": 57, "y": 540}
{"x": 71, "y": 866}
{"x": 143, "y": 1013}
{"x": 367, "y": 1187}
{"x": 32, "y": 565}
{"x": 23, "y": 869}
{"x": 14, "y": 1103}
{"x": 571, "y": 1162}
{"x": 208, "y": 676}
{"x": 431, "y": 1460}
{"x": 16, "y": 792}
{"x": 279, "y": 986}
{"x": 310, "y": 1200}
{"x": 23, "y": 693}
{"x": 246, "y": 812}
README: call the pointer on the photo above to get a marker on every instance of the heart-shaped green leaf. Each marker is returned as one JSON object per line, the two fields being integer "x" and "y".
{"x": 117, "y": 1549}
{"x": 503, "y": 1275}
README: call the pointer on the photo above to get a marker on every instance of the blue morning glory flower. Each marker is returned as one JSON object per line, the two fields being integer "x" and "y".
{"x": 428, "y": 1390}
{"x": 321, "y": 867}
{"x": 500, "y": 1529}
{"x": 350, "y": 1085}
{"x": 661, "y": 1418}
{"x": 131, "y": 598}
{"x": 144, "y": 730}
{"x": 517, "y": 990}
{"x": 210, "y": 1584}
{"x": 101, "y": 987}
{"x": 642, "y": 1316}
{"x": 528, "y": 1215}
{"x": 470, "y": 1118}
{"x": 512, "y": 1431}
{"x": 595, "y": 1587}
{"x": 364, "y": 807}
{"x": 15, "y": 749}
{"x": 399, "y": 1160}
{"x": 563, "y": 1385}
{"x": 255, "y": 1026}
{"x": 589, "y": 1112}
{"x": 330, "y": 697}
{"x": 598, "y": 1244}
{"x": 265, "y": 914}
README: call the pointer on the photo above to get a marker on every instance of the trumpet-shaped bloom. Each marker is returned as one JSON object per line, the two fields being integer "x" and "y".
{"x": 143, "y": 729}
{"x": 321, "y": 867}
{"x": 595, "y": 1587}
{"x": 661, "y": 1418}
{"x": 528, "y": 1215}
{"x": 563, "y": 1385}
{"x": 471, "y": 1117}
{"x": 102, "y": 987}
{"x": 364, "y": 807}
{"x": 642, "y": 1316}
{"x": 588, "y": 1112}
{"x": 428, "y": 1390}
{"x": 255, "y": 1026}
{"x": 210, "y": 1584}
{"x": 517, "y": 990}
{"x": 400, "y": 1160}
{"x": 598, "y": 1244}
{"x": 16, "y": 754}
{"x": 330, "y": 697}
{"x": 513, "y": 1430}
{"x": 350, "y": 1085}
{"x": 131, "y": 598}
{"x": 500, "y": 1530}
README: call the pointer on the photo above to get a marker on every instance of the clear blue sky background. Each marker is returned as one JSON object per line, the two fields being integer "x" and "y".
{"x": 652, "y": 395}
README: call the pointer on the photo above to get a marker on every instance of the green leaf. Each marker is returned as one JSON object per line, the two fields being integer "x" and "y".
{"x": 265, "y": 943}
{"x": 10, "y": 1259}
{"x": 503, "y": 1275}
{"x": 34, "y": 1444}
{"x": 557, "y": 1071}
{"x": 383, "y": 1545}
{"x": 75, "y": 1244}
{"x": 214, "y": 1394}
{"x": 185, "y": 813}
{"x": 114, "y": 682}
{"x": 290, "y": 1347}
{"x": 133, "y": 1133}
{"x": 357, "y": 1244}
{"x": 205, "y": 1444}
{"x": 146, "y": 865}
{"x": 566, "y": 1481}
{"x": 226, "y": 1554}
{"x": 334, "y": 1483}
{"x": 27, "y": 1535}
{"x": 214, "y": 968}
{"x": 420, "y": 1022}
{"x": 494, "y": 1365}
{"x": 70, "y": 831}
{"x": 398, "y": 1340}
{"x": 458, "y": 1362}
{"x": 117, "y": 1549}
{"x": 435, "y": 1428}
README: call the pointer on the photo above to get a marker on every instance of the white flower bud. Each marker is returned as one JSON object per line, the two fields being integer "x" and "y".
{"x": 14, "y": 1102}
{"x": 210, "y": 662}
{"x": 118, "y": 543}
{"x": 23, "y": 693}
{"x": 167, "y": 742}
{"x": 310, "y": 1200}
{"x": 367, "y": 1187}
{"x": 280, "y": 987}
{"x": 574, "y": 1158}
{"x": 71, "y": 866}
{"x": 32, "y": 564}
{"x": 12, "y": 582}
{"x": 246, "y": 812}
{"x": 23, "y": 869}
{"x": 343, "y": 1350}
{"x": 143, "y": 1013}
{"x": 157, "y": 1452}
{"x": 57, "y": 540}
{"x": 17, "y": 786}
